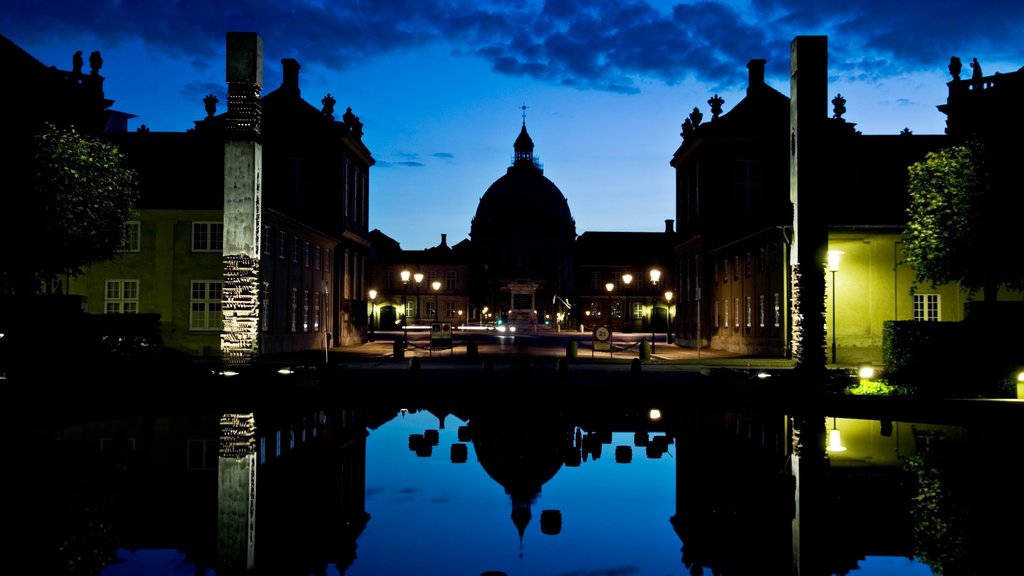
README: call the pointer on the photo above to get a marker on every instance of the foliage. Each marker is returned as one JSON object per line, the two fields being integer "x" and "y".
{"x": 876, "y": 388}
{"x": 957, "y": 223}
{"x": 79, "y": 193}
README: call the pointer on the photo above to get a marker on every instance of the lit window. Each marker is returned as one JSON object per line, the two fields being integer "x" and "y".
{"x": 760, "y": 310}
{"x": 265, "y": 241}
{"x": 750, "y": 312}
{"x": 776, "y": 310}
{"x": 736, "y": 312}
{"x": 293, "y": 322}
{"x": 131, "y": 236}
{"x": 305, "y": 310}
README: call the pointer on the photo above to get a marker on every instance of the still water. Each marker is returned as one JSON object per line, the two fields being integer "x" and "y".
{"x": 450, "y": 488}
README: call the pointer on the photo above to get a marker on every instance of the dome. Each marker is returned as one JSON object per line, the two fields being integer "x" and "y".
{"x": 523, "y": 200}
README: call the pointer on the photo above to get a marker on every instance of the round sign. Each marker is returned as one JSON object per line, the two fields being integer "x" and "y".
{"x": 602, "y": 333}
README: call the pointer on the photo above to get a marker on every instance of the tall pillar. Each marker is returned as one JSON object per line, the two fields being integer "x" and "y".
{"x": 808, "y": 113}
{"x": 236, "y": 493}
{"x": 243, "y": 167}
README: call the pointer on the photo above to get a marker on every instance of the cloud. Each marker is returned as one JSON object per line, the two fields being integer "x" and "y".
{"x": 592, "y": 45}
{"x": 443, "y": 155}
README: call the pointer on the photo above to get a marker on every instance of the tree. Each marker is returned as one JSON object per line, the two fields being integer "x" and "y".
{"x": 79, "y": 195}
{"x": 959, "y": 228}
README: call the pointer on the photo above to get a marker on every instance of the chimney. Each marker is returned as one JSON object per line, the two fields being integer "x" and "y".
{"x": 444, "y": 240}
{"x": 668, "y": 226}
{"x": 290, "y": 81}
{"x": 755, "y": 69}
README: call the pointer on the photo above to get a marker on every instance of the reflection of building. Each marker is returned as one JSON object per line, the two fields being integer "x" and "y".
{"x": 523, "y": 235}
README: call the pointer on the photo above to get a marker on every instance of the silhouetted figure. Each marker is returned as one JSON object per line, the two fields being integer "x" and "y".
{"x": 838, "y": 107}
{"x": 95, "y": 62}
{"x": 76, "y": 63}
{"x": 954, "y": 67}
{"x": 976, "y": 75}
{"x": 716, "y": 102}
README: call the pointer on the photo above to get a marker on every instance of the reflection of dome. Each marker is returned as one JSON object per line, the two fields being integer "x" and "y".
{"x": 521, "y": 455}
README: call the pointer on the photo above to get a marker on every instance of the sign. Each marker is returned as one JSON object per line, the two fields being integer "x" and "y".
{"x": 440, "y": 335}
{"x": 602, "y": 338}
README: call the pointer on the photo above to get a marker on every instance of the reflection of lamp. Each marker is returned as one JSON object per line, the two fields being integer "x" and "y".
{"x": 436, "y": 285}
{"x": 655, "y": 276}
{"x": 833, "y": 267}
{"x": 609, "y": 287}
{"x": 834, "y": 442}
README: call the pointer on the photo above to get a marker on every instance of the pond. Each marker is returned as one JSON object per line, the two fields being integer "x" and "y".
{"x": 391, "y": 485}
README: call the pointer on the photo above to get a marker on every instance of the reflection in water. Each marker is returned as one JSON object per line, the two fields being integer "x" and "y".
{"x": 457, "y": 487}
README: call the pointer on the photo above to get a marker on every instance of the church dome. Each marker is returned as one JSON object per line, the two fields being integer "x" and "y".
{"x": 523, "y": 200}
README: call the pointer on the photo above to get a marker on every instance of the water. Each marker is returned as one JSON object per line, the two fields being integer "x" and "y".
{"x": 377, "y": 486}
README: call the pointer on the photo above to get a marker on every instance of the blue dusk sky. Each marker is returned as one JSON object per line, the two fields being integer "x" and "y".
{"x": 440, "y": 86}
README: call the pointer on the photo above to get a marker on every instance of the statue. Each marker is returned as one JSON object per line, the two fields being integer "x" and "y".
{"x": 687, "y": 129}
{"x": 716, "y": 102}
{"x": 976, "y": 75}
{"x": 328, "y": 102}
{"x": 695, "y": 117}
{"x": 838, "y": 107}
{"x": 76, "y": 63}
{"x": 211, "y": 105}
{"x": 954, "y": 67}
{"x": 95, "y": 62}
{"x": 353, "y": 123}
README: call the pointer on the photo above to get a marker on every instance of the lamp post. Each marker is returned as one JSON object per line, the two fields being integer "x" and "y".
{"x": 611, "y": 347}
{"x": 373, "y": 310}
{"x": 655, "y": 276}
{"x": 405, "y": 307}
{"x": 436, "y": 285}
{"x": 418, "y": 277}
{"x": 626, "y": 280}
{"x": 833, "y": 267}
{"x": 668, "y": 314}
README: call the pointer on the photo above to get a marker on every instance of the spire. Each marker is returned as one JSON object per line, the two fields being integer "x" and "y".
{"x": 524, "y": 144}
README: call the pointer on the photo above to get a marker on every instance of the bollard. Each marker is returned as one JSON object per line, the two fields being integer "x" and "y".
{"x": 414, "y": 364}
{"x": 571, "y": 348}
{"x": 398, "y": 350}
{"x": 645, "y": 349}
{"x": 634, "y": 366}
{"x": 471, "y": 347}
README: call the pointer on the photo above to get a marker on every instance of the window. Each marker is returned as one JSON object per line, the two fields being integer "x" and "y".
{"x": 206, "y": 305}
{"x": 748, "y": 268}
{"x": 295, "y": 249}
{"x": 750, "y": 313}
{"x": 926, "y": 307}
{"x": 736, "y": 268}
{"x": 316, "y": 257}
{"x": 716, "y": 315}
{"x": 265, "y": 308}
{"x": 760, "y": 310}
{"x": 595, "y": 309}
{"x": 638, "y": 310}
{"x": 616, "y": 309}
{"x": 727, "y": 266}
{"x": 748, "y": 185}
{"x": 306, "y": 255}
{"x": 725, "y": 307}
{"x": 293, "y": 308}
{"x": 201, "y": 454}
{"x": 266, "y": 241}
{"x": 282, "y": 245}
{"x": 122, "y": 297}
{"x": 595, "y": 281}
{"x": 316, "y": 311}
{"x": 717, "y": 276}
{"x": 450, "y": 280}
{"x": 131, "y": 236}
{"x": 327, "y": 260}
{"x": 305, "y": 310}
{"x": 389, "y": 279}
{"x": 449, "y": 309}
{"x": 736, "y": 312}
{"x": 207, "y": 236}
{"x": 776, "y": 310}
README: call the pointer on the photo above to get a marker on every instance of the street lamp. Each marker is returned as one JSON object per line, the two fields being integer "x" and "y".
{"x": 833, "y": 267}
{"x": 668, "y": 313}
{"x": 655, "y": 276}
{"x": 418, "y": 277}
{"x": 609, "y": 287}
{"x": 373, "y": 310}
{"x": 405, "y": 307}
{"x": 436, "y": 285}
{"x": 626, "y": 280}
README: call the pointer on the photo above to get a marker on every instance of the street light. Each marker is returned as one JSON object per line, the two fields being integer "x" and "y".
{"x": 373, "y": 310}
{"x": 609, "y": 287}
{"x": 405, "y": 307}
{"x": 655, "y": 276}
{"x": 668, "y": 313}
{"x": 418, "y": 277}
{"x": 626, "y": 280}
{"x": 436, "y": 285}
{"x": 833, "y": 267}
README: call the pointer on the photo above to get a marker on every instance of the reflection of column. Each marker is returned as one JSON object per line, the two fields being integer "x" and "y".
{"x": 236, "y": 493}
{"x": 809, "y": 467}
